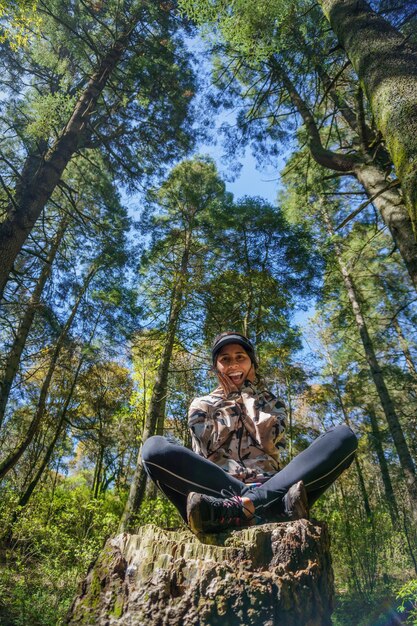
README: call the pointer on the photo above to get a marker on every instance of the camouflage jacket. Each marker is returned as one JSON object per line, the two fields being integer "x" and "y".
{"x": 242, "y": 433}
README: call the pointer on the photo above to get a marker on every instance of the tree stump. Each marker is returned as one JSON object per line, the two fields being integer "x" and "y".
{"x": 274, "y": 574}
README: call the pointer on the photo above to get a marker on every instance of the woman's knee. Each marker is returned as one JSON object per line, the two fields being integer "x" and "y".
{"x": 347, "y": 438}
{"x": 349, "y": 435}
{"x": 153, "y": 446}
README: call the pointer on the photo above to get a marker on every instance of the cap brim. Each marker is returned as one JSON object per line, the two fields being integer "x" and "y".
{"x": 224, "y": 341}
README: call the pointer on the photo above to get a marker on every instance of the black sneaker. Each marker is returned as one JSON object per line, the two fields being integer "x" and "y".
{"x": 206, "y": 514}
{"x": 296, "y": 502}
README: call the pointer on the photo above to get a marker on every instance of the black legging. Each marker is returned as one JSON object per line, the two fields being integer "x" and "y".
{"x": 177, "y": 471}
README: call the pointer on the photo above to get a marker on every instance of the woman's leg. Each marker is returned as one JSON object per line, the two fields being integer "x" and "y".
{"x": 318, "y": 467}
{"x": 177, "y": 471}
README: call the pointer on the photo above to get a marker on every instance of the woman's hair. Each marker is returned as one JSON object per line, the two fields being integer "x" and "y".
{"x": 231, "y": 336}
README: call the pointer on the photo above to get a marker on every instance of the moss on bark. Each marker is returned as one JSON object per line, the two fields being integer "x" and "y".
{"x": 386, "y": 65}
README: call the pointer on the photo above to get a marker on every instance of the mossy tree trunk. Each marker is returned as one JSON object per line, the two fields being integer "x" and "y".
{"x": 386, "y": 65}
{"x": 370, "y": 174}
{"x": 390, "y": 203}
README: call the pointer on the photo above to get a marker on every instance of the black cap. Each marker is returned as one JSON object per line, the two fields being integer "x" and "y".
{"x": 232, "y": 337}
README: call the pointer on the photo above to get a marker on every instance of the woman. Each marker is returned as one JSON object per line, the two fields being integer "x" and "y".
{"x": 233, "y": 476}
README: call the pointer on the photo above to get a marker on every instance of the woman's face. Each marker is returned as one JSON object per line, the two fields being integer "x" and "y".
{"x": 234, "y": 363}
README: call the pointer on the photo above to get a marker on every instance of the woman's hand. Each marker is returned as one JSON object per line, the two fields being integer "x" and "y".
{"x": 226, "y": 384}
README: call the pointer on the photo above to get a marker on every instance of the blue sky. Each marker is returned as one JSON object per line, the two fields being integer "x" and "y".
{"x": 251, "y": 181}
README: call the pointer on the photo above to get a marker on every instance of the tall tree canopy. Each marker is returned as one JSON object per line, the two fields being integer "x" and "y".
{"x": 106, "y": 76}
{"x": 279, "y": 65}
{"x": 123, "y": 254}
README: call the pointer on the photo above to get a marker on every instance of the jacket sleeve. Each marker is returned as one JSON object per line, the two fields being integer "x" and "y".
{"x": 271, "y": 427}
{"x": 201, "y": 427}
{"x": 269, "y": 416}
{"x": 281, "y": 413}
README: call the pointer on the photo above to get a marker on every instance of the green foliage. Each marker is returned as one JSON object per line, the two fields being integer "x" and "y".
{"x": 408, "y": 597}
{"x": 49, "y": 113}
{"x": 247, "y": 265}
{"x": 370, "y": 558}
{"x": 159, "y": 511}
{"x": 49, "y": 548}
{"x": 252, "y": 28}
{"x": 19, "y": 21}
{"x": 39, "y": 595}
{"x": 351, "y": 610}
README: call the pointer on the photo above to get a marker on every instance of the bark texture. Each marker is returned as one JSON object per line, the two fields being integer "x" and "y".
{"x": 371, "y": 175}
{"x": 386, "y": 65}
{"x": 265, "y": 575}
{"x": 389, "y": 202}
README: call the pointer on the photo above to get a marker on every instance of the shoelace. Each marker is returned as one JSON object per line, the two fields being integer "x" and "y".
{"x": 232, "y": 495}
{"x": 234, "y": 499}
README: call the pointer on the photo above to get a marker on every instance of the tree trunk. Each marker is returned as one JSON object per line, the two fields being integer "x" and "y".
{"x": 405, "y": 349}
{"x": 13, "y": 458}
{"x": 336, "y": 161}
{"x": 42, "y": 172}
{"x": 406, "y": 461}
{"x": 411, "y": 540}
{"x": 259, "y": 576}
{"x": 158, "y": 398}
{"x": 15, "y": 353}
{"x": 386, "y": 65}
{"x": 98, "y": 470}
{"x": 361, "y": 480}
{"x": 371, "y": 176}
{"x": 383, "y": 466}
{"x": 24, "y": 499}
{"x": 350, "y": 541}
{"x": 393, "y": 211}
{"x": 151, "y": 490}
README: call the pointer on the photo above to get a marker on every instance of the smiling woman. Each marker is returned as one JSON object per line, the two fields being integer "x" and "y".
{"x": 233, "y": 476}
{"x": 233, "y": 362}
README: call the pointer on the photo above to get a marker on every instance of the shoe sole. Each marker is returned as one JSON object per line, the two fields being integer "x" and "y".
{"x": 300, "y": 508}
{"x": 193, "y": 513}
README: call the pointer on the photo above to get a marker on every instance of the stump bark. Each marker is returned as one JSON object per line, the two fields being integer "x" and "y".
{"x": 275, "y": 574}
